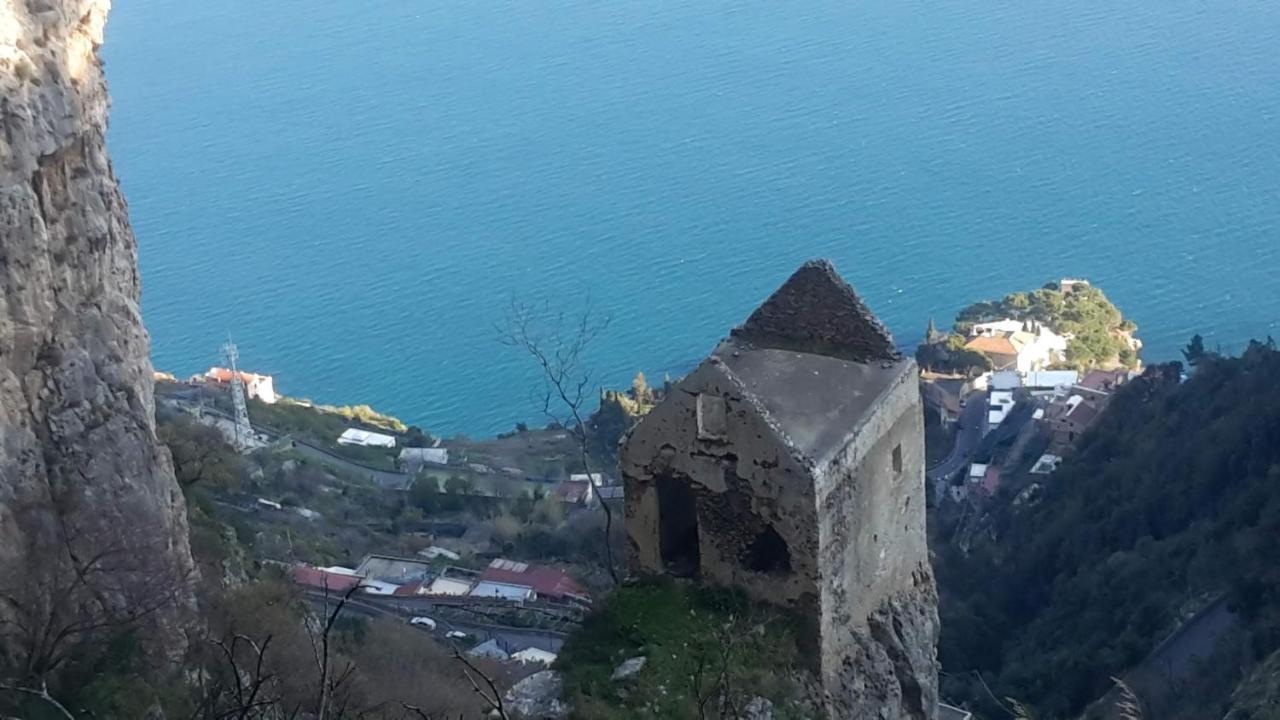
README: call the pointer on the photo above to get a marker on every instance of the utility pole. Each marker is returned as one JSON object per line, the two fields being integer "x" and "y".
{"x": 244, "y": 431}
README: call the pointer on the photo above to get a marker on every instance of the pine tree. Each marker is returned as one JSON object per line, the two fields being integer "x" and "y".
{"x": 1194, "y": 351}
{"x": 931, "y": 335}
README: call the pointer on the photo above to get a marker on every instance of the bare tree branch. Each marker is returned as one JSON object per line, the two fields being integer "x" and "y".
{"x": 558, "y": 352}
{"x": 323, "y": 653}
{"x": 417, "y": 711}
{"x": 43, "y": 694}
{"x": 494, "y": 697}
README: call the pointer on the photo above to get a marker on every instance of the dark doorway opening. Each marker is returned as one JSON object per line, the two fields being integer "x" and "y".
{"x": 768, "y": 553}
{"x": 678, "y": 527}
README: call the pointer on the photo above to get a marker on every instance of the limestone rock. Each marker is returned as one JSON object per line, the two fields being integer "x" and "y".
{"x": 82, "y": 477}
{"x": 758, "y": 708}
{"x": 537, "y": 697}
{"x": 628, "y": 668}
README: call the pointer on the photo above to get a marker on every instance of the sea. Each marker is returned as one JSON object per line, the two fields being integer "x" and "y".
{"x": 357, "y": 192}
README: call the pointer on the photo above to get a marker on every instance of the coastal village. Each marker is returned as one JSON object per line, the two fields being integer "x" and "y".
{"x": 1006, "y": 421}
{"x": 1004, "y": 398}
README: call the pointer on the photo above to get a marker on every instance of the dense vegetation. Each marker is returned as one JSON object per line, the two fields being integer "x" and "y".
{"x": 704, "y": 650}
{"x": 948, "y": 354}
{"x": 1100, "y": 333}
{"x": 1171, "y": 500}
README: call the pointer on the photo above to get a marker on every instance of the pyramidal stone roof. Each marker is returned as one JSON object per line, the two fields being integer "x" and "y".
{"x": 817, "y": 312}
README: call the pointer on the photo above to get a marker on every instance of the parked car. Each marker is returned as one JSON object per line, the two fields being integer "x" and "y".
{"x": 426, "y": 622}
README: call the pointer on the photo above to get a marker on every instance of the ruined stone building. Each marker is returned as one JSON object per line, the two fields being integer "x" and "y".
{"x": 790, "y": 464}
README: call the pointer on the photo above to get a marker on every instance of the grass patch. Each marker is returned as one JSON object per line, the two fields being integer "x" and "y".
{"x": 702, "y": 645}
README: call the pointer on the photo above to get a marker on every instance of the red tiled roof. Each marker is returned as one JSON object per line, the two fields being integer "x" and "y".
{"x": 546, "y": 581}
{"x": 1083, "y": 414}
{"x": 223, "y": 375}
{"x": 321, "y": 580}
{"x": 999, "y": 345}
{"x": 573, "y": 491}
{"x": 1102, "y": 380}
{"x": 410, "y": 589}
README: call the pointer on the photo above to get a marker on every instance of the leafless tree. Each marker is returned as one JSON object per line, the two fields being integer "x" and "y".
{"x": 322, "y": 648}
{"x": 76, "y": 594}
{"x": 43, "y": 694}
{"x": 246, "y": 690}
{"x": 491, "y": 695}
{"x": 557, "y": 344}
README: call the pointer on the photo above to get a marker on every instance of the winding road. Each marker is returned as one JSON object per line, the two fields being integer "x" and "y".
{"x": 512, "y": 637}
{"x": 972, "y": 422}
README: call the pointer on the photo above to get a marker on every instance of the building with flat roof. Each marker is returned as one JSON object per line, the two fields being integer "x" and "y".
{"x": 412, "y": 459}
{"x": 502, "y": 591}
{"x": 364, "y": 438}
{"x": 393, "y": 569}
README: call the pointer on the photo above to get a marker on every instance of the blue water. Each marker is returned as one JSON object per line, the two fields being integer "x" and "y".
{"x": 356, "y": 190}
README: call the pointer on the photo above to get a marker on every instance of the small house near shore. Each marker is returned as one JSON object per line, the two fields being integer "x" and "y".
{"x": 364, "y": 438}
{"x": 258, "y": 387}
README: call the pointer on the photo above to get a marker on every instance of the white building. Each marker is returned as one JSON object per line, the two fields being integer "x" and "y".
{"x": 435, "y": 551}
{"x": 502, "y": 591}
{"x": 412, "y": 459}
{"x": 364, "y": 438}
{"x": 977, "y": 471}
{"x": 1017, "y": 345}
{"x": 1050, "y": 380}
{"x": 999, "y": 405}
{"x": 262, "y": 387}
{"x": 1005, "y": 380}
{"x": 997, "y": 327}
{"x": 448, "y": 586}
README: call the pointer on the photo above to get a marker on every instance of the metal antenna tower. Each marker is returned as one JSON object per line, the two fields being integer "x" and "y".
{"x": 244, "y": 431}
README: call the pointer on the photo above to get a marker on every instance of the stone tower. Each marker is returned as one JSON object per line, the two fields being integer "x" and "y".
{"x": 790, "y": 464}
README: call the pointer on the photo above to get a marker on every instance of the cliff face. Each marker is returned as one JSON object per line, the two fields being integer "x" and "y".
{"x": 88, "y": 501}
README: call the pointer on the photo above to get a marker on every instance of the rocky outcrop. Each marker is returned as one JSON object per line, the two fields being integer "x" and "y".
{"x": 888, "y": 668}
{"x": 89, "y": 507}
{"x": 537, "y": 697}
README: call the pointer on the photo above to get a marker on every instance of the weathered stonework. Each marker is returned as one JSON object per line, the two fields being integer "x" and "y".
{"x": 790, "y": 464}
{"x": 83, "y": 480}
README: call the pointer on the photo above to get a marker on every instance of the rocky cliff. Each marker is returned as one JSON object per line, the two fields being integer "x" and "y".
{"x": 90, "y": 514}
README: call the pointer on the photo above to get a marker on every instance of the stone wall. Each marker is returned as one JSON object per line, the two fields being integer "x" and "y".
{"x": 83, "y": 481}
{"x": 857, "y": 575}
{"x": 879, "y": 606}
{"x": 744, "y": 486}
